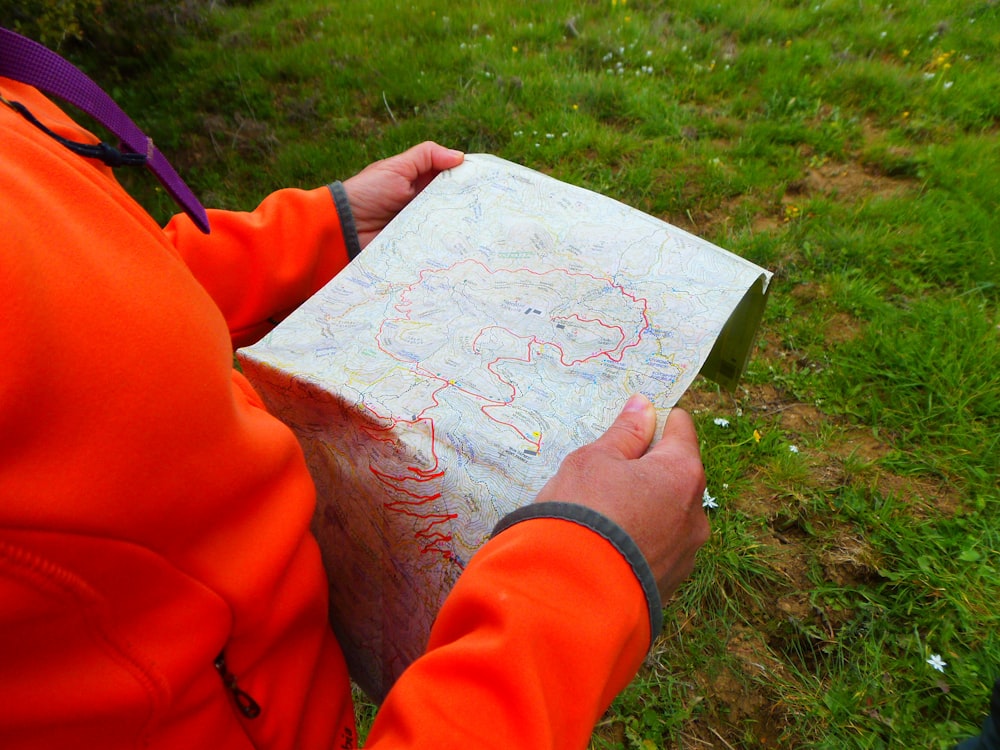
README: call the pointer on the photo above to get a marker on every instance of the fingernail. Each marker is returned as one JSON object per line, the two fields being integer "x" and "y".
{"x": 638, "y": 402}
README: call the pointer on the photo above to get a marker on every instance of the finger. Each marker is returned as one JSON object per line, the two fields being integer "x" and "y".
{"x": 631, "y": 432}
{"x": 679, "y": 428}
{"x": 679, "y": 445}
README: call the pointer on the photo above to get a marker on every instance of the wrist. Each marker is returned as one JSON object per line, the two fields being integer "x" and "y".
{"x": 608, "y": 530}
{"x": 351, "y": 240}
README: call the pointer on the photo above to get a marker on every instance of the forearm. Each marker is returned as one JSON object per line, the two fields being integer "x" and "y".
{"x": 546, "y": 625}
{"x": 258, "y": 266}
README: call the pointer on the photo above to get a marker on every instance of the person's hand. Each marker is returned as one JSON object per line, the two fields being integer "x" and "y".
{"x": 381, "y": 190}
{"x": 656, "y": 497}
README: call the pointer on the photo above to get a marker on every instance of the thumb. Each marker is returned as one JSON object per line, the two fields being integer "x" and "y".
{"x": 430, "y": 157}
{"x": 631, "y": 432}
{"x": 445, "y": 158}
{"x": 426, "y": 160}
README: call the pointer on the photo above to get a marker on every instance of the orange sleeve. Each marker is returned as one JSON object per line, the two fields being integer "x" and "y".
{"x": 259, "y": 266}
{"x": 546, "y": 625}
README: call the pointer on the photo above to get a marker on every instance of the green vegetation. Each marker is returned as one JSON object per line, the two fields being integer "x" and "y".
{"x": 852, "y": 148}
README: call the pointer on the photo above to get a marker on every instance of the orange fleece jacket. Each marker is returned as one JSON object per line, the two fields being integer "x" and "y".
{"x": 153, "y": 515}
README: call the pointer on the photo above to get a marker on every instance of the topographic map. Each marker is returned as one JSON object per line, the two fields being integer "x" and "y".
{"x": 499, "y": 322}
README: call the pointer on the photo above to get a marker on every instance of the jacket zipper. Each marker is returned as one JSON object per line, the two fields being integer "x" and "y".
{"x": 244, "y": 701}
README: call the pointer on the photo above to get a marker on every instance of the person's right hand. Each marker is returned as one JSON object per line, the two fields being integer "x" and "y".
{"x": 656, "y": 497}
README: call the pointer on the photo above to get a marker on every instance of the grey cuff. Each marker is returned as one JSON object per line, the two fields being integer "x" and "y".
{"x": 609, "y": 530}
{"x": 343, "y": 206}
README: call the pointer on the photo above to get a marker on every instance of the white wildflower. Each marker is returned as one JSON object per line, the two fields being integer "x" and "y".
{"x": 708, "y": 502}
{"x": 793, "y": 449}
{"x": 721, "y": 421}
{"x": 937, "y": 662}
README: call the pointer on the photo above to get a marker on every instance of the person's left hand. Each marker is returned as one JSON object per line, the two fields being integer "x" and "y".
{"x": 381, "y": 190}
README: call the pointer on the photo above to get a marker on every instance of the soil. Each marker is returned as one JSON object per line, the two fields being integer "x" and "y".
{"x": 742, "y": 706}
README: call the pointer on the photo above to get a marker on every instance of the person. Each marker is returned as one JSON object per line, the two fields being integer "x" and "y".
{"x": 989, "y": 734}
{"x": 159, "y": 586}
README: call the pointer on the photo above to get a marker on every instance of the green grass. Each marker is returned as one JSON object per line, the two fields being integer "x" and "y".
{"x": 850, "y": 147}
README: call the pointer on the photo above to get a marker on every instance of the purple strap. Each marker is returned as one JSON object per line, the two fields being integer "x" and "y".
{"x": 29, "y": 62}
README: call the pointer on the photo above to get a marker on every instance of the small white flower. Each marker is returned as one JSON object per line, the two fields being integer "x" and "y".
{"x": 937, "y": 662}
{"x": 708, "y": 502}
{"x": 948, "y": 84}
{"x": 721, "y": 421}
{"x": 793, "y": 449}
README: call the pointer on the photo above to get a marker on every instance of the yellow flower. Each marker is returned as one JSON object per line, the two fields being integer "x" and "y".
{"x": 576, "y": 107}
{"x": 756, "y": 436}
{"x": 514, "y": 48}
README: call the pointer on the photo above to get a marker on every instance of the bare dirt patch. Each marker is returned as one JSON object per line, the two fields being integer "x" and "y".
{"x": 807, "y": 549}
{"x": 846, "y": 180}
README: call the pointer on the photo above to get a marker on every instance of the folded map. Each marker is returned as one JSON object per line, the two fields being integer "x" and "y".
{"x": 499, "y": 322}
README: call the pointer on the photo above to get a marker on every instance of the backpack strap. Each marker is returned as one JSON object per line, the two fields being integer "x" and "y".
{"x": 29, "y": 62}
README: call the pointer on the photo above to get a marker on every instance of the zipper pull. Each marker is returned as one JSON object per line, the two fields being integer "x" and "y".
{"x": 244, "y": 701}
